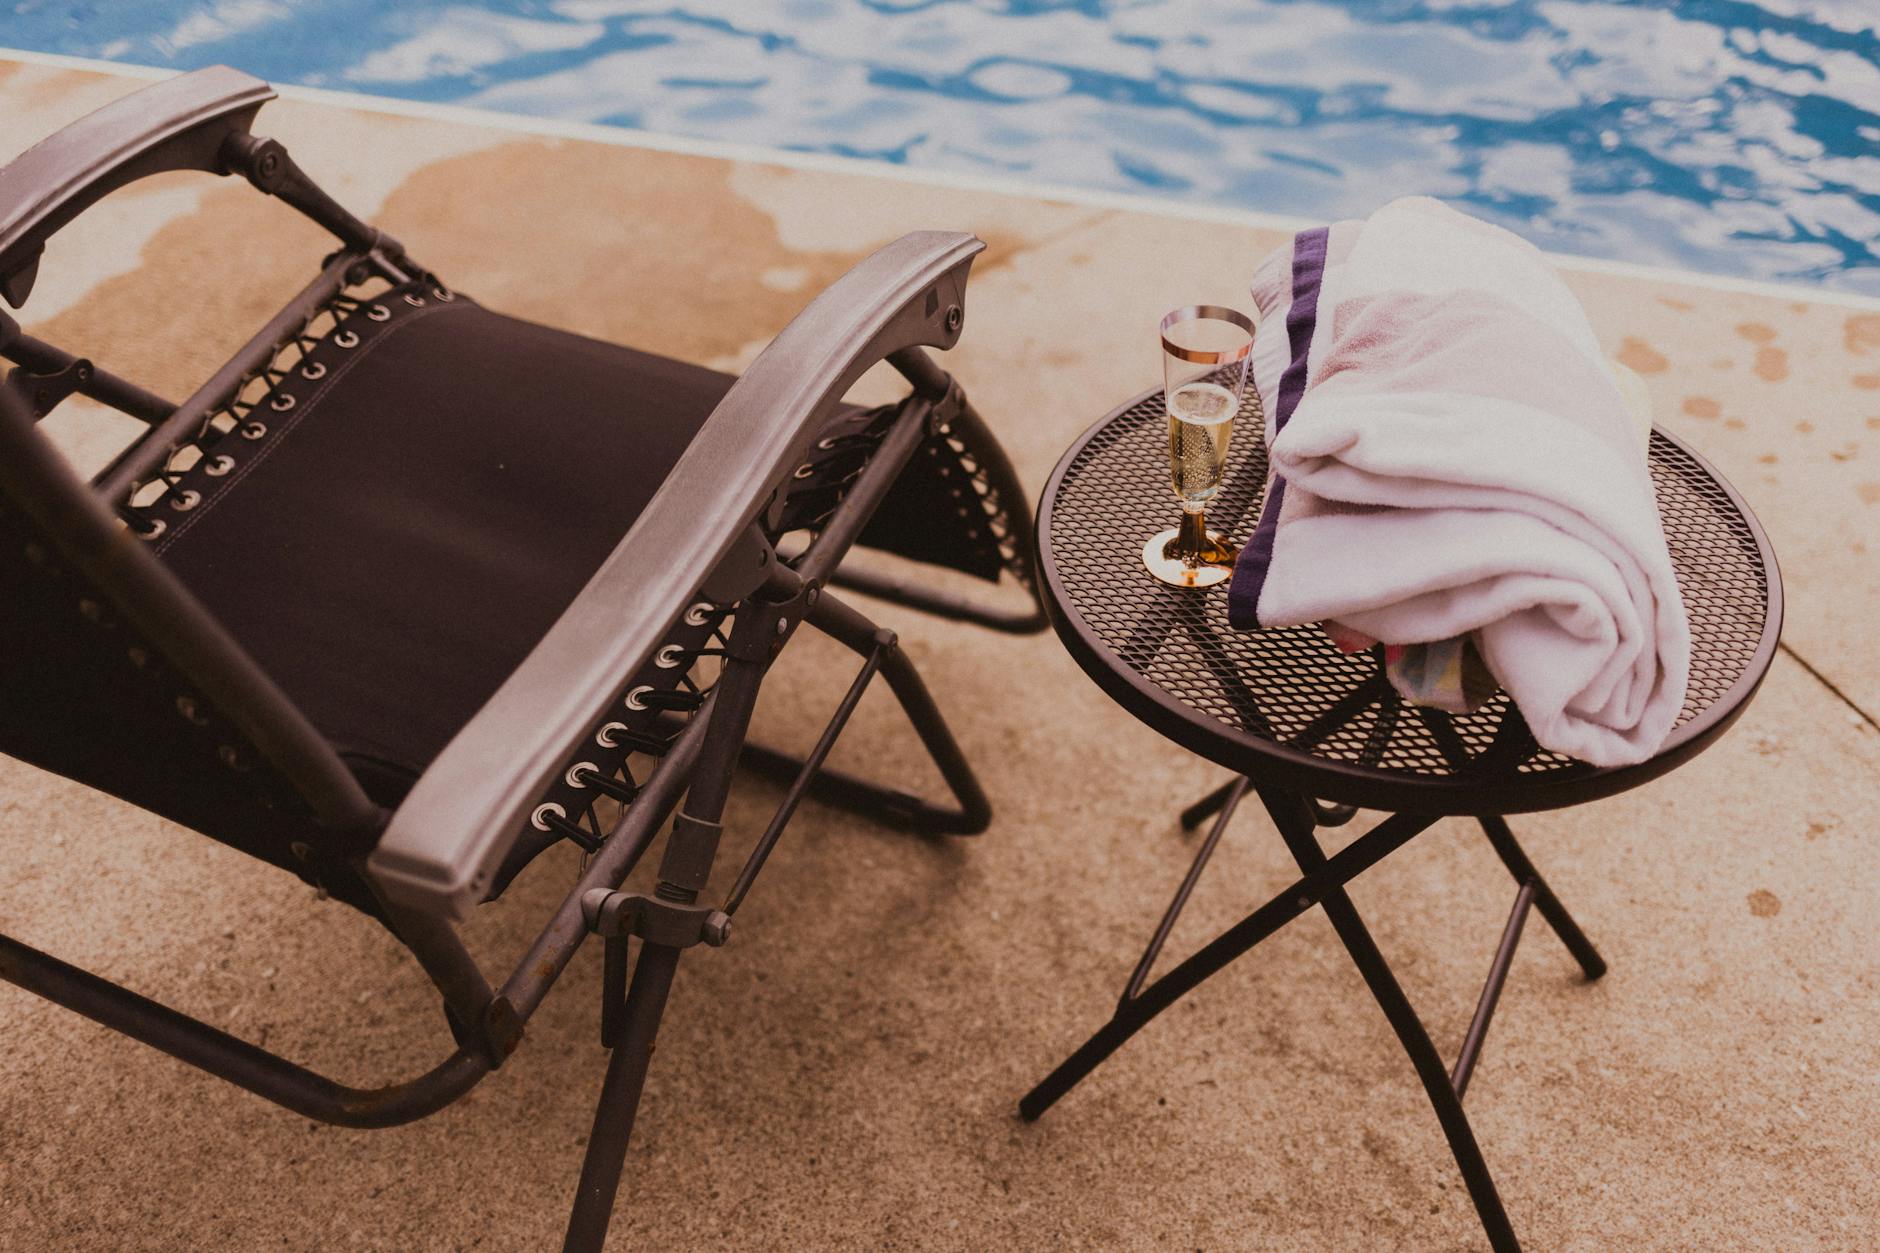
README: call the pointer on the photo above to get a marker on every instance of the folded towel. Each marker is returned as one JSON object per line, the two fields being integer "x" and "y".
{"x": 1450, "y": 455}
{"x": 1449, "y": 674}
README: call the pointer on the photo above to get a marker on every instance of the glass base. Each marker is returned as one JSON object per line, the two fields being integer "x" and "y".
{"x": 1213, "y": 566}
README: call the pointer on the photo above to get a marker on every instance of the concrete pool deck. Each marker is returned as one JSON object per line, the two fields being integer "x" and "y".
{"x": 846, "y": 1073}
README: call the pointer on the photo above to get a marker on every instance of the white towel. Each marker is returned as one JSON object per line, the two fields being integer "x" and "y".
{"x": 1451, "y": 455}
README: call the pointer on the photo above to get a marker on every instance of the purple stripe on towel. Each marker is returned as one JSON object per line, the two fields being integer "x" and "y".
{"x": 1243, "y": 594}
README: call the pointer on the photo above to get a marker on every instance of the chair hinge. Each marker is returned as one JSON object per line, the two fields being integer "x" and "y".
{"x": 940, "y": 417}
{"x": 494, "y": 1036}
{"x": 742, "y": 570}
{"x": 502, "y": 1030}
{"x": 611, "y": 915}
{"x": 762, "y": 627}
{"x": 44, "y": 392}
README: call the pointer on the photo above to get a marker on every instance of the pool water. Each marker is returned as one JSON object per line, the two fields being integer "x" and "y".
{"x": 1725, "y": 136}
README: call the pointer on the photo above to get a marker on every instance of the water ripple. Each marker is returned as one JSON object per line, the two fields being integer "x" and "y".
{"x": 1729, "y": 136}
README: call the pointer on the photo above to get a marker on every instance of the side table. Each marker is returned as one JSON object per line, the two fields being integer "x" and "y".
{"x": 1317, "y": 734}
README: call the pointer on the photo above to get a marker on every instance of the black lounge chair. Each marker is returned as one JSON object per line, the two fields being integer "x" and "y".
{"x": 410, "y": 591}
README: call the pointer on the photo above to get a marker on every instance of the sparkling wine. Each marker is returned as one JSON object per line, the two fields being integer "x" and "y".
{"x": 1200, "y": 425}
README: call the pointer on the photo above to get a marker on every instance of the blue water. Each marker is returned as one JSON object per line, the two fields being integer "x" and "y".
{"x": 1727, "y": 136}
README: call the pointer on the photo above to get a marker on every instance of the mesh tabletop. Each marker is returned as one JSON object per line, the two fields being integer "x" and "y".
{"x": 1284, "y": 704}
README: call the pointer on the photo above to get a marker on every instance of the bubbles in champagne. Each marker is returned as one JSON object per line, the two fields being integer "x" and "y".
{"x": 1200, "y": 424}
{"x": 1201, "y": 402}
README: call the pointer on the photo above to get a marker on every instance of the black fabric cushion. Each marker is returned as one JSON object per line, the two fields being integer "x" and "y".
{"x": 395, "y": 543}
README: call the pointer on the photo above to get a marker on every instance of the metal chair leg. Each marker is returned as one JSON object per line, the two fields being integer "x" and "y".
{"x": 620, "y": 1100}
{"x": 1295, "y": 825}
{"x": 661, "y": 923}
{"x": 973, "y": 814}
{"x": 1027, "y": 620}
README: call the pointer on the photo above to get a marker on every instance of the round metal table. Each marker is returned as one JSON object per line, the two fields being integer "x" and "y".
{"x": 1301, "y": 724}
{"x": 1286, "y": 706}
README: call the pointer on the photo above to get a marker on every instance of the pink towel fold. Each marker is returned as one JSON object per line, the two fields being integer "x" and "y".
{"x": 1452, "y": 459}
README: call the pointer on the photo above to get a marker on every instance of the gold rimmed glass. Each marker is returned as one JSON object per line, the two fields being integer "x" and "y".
{"x": 1204, "y": 374}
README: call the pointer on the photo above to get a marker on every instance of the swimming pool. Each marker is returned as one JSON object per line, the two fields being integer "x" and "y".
{"x": 1725, "y": 136}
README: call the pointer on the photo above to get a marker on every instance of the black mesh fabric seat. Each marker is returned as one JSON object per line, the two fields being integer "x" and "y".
{"x": 397, "y": 541}
{"x": 389, "y": 530}
{"x": 408, "y": 591}
{"x": 393, "y": 524}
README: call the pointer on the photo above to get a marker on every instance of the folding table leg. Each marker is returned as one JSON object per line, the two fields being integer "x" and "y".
{"x": 1323, "y": 883}
{"x": 1513, "y": 857}
{"x": 1295, "y": 824}
{"x": 1212, "y": 803}
{"x": 1136, "y": 1012}
{"x": 1230, "y": 801}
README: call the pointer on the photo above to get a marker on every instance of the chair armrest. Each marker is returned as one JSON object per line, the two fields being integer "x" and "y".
{"x": 458, "y": 822}
{"x": 180, "y": 123}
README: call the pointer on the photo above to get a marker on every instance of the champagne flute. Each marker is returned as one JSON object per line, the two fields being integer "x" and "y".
{"x": 1204, "y": 373}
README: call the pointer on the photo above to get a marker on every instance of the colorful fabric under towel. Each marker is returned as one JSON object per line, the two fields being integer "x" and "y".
{"x": 1449, "y": 675}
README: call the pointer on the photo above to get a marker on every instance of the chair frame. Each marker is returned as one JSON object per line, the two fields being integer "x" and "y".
{"x": 438, "y": 850}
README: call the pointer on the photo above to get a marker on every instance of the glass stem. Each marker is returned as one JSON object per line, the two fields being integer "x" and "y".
{"x": 1192, "y": 541}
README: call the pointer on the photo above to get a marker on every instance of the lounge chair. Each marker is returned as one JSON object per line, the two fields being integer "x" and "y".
{"x": 408, "y": 592}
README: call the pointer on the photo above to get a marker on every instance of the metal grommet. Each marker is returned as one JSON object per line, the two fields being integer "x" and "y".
{"x": 669, "y": 656}
{"x": 698, "y": 614}
{"x": 605, "y": 736}
{"x": 281, "y": 402}
{"x": 313, "y": 370}
{"x": 378, "y": 313}
{"x": 346, "y": 339}
{"x": 574, "y": 772}
{"x": 90, "y": 610}
{"x": 254, "y": 430}
{"x": 187, "y": 706}
{"x": 444, "y": 294}
{"x": 804, "y": 471}
{"x": 216, "y": 467}
{"x": 538, "y": 819}
{"x": 157, "y": 527}
{"x": 231, "y": 757}
{"x": 139, "y": 655}
{"x": 636, "y": 699}
{"x": 826, "y": 443}
{"x": 183, "y": 502}
{"x": 414, "y": 300}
